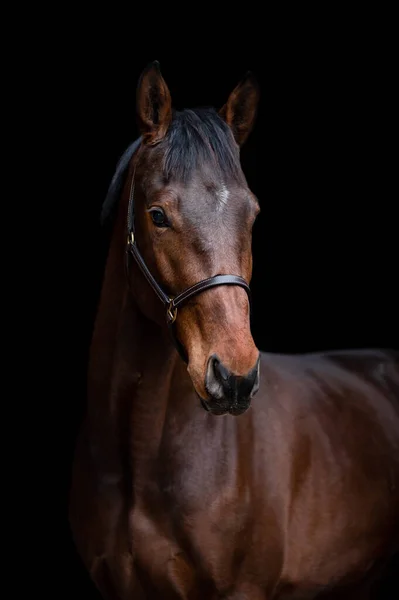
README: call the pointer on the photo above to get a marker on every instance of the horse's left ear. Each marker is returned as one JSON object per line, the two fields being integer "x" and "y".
{"x": 240, "y": 110}
{"x": 154, "y": 105}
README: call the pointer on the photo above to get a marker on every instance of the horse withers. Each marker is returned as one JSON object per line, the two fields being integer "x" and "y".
{"x": 206, "y": 469}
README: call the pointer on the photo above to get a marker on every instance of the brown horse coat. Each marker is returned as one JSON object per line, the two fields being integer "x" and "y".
{"x": 296, "y": 496}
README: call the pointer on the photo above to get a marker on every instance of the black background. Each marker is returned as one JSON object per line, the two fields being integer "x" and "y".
{"x": 320, "y": 161}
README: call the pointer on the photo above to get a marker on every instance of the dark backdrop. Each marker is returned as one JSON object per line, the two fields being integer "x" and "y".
{"x": 321, "y": 163}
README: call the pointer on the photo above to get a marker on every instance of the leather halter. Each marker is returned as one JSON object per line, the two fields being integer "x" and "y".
{"x": 172, "y": 303}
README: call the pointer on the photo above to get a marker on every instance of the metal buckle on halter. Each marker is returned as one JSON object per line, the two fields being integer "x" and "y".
{"x": 171, "y": 312}
{"x": 130, "y": 238}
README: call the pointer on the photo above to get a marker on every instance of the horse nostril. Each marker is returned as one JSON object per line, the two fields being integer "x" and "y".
{"x": 253, "y": 376}
{"x": 250, "y": 383}
{"x": 221, "y": 373}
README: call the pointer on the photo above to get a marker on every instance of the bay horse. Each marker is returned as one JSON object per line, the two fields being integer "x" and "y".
{"x": 206, "y": 469}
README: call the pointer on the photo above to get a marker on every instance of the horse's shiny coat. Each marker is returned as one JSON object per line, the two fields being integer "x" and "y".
{"x": 299, "y": 495}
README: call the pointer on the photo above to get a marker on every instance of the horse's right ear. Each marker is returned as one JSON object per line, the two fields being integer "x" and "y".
{"x": 154, "y": 105}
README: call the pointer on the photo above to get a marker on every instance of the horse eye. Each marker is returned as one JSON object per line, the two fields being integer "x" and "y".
{"x": 158, "y": 217}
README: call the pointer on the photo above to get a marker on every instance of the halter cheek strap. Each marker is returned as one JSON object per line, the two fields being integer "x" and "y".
{"x": 172, "y": 303}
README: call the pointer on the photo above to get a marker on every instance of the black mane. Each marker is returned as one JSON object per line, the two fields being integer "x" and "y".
{"x": 195, "y": 137}
{"x": 116, "y": 185}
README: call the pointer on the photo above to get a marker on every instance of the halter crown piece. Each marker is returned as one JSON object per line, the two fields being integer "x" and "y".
{"x": 172, "y": 303}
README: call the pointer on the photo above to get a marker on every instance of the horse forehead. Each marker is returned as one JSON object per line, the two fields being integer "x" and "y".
{"x": 215, "y": 205}
{"x": 219, "y": 193}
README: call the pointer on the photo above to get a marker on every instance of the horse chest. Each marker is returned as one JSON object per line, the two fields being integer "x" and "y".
{"x": 194, "y": 554}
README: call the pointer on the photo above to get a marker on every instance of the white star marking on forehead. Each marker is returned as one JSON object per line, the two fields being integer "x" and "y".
{"x": 222, "y": 196}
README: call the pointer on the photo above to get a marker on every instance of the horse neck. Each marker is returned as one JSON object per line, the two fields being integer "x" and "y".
{"x": 130, "y": 368}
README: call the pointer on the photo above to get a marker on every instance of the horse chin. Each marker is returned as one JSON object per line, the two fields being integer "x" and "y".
{"x": 235, "y": 411}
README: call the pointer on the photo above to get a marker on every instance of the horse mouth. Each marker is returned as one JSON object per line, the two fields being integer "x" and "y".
{"x": 234, "y": 410}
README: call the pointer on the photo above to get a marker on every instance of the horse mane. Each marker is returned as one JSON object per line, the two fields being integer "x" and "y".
{"x": 195, "y": 137}
{"x": 117, "y": 181}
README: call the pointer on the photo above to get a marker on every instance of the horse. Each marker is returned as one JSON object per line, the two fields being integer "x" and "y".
{"x": 205, "y": 468}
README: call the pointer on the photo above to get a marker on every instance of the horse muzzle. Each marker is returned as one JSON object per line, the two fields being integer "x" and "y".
{"x": 228, "y": 392}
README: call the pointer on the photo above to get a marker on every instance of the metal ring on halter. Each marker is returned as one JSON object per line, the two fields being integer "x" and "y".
{"x": 171, "y": 312}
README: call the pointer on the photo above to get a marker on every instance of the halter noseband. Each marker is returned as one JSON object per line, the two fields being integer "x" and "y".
{"x": 172, "y": 303}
